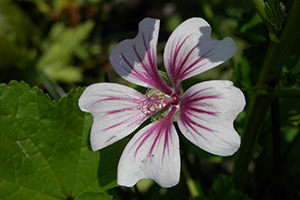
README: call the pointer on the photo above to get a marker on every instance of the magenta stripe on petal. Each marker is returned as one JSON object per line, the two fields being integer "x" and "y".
{"x": 135, "y": 59}
{"x": 133, "y": 121}
{"x": 191, "y": 68}
{"x": 206, "y": 116}
{"x": 181, "y": 65}
{"x": 198, "y": 96}
{"x": 162, "y": 131}
{"x": 150, "y": 74}
{"x": 193, "y": 106}
{"x": 149, "y": 53}
{"x": 185, "y": 117}
{"x": 121, "y": 99}
{"x": 190, "y": 50}
{"x": 128, "y": 63}
{"x": 132, "y": 70}
{"x": 197, "y": 110}
{"x": 120, "y": 110}
{"x": 175, "y": 68}
{"x": 174, "y": 54}
{"x": 192, "y": 100}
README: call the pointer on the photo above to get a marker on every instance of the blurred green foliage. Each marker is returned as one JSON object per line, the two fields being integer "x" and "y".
{"x": 58, "y": 53}
{"x": 59, "y": 45}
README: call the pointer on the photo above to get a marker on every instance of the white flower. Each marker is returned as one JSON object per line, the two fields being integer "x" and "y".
{"x": 206, "y": 111}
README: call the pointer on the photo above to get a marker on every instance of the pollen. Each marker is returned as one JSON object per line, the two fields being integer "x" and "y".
{"x": 155, "y": 101}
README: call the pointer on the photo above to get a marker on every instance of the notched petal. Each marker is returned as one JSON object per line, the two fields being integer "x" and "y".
{"x": 117, "y": 112}
{"x": 152, "y": 153}
{"x": 135, "y": 60}
{"x": 206, "y": 116}
{"x": 190, "y": 50}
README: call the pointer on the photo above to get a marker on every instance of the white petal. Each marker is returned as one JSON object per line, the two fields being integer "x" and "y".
{"x": 206, "y": 116}
{"x": 116, "y": 109}
{"x": 135, "y": 60}
{"x": 152, "y": 153}
{"x": 190, "y": 50}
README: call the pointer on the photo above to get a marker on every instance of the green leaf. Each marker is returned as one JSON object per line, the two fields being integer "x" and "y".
{"x": 45, "y": 150}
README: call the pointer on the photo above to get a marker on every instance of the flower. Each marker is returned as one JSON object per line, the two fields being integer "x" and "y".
{"x": 205, "y": 112}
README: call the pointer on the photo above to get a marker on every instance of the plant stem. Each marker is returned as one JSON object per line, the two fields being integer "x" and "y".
{"x": 275, "y": 58}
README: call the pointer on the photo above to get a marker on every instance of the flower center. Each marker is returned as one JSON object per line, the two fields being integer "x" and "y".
{"x": 175, "y": 99}
{"x": 155, "y": 102}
